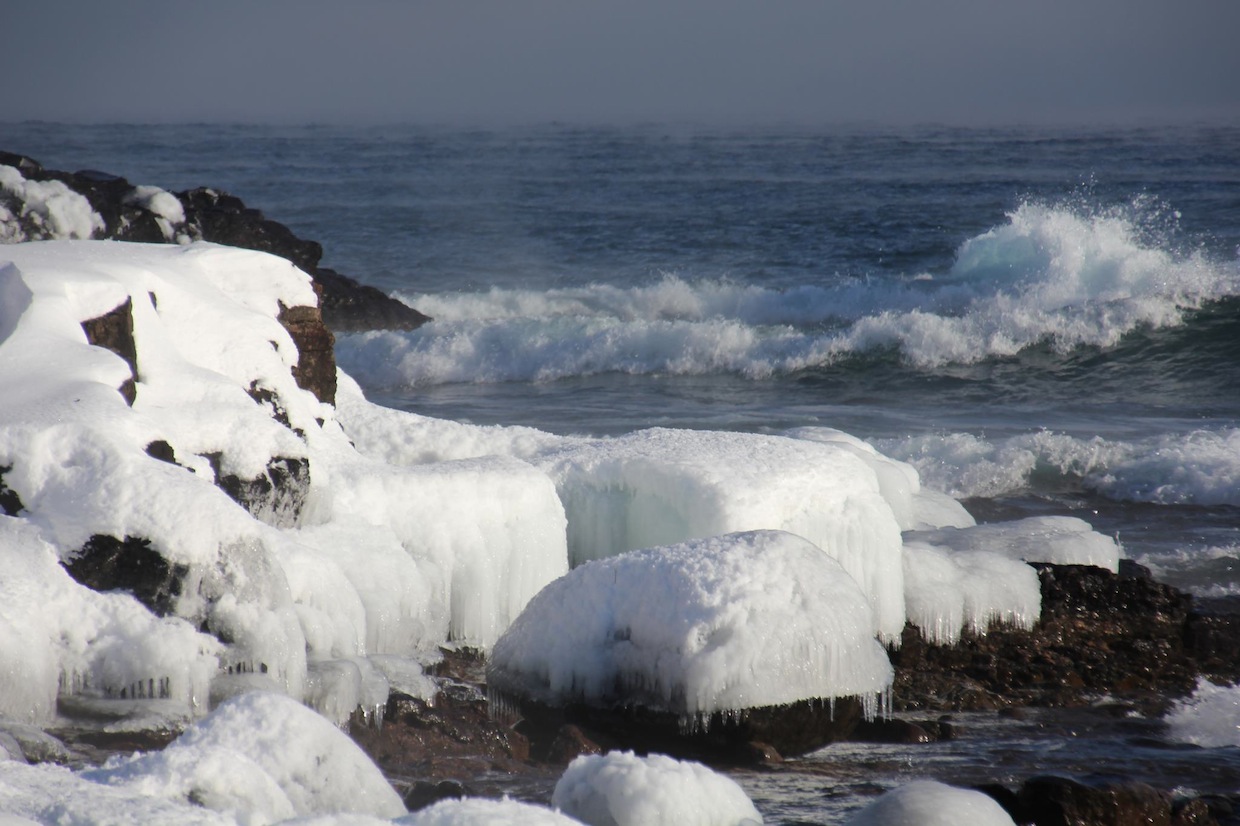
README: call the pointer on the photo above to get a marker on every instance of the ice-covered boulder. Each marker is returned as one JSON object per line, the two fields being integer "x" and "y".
{"x": 1059, "y": 540}
{"x": 260, "y": 755}
{"x": 705, "y": 632}
{"x": 661, "y": 486}
{"x": 930, "y": 803}
{"x": 622, "y": 789}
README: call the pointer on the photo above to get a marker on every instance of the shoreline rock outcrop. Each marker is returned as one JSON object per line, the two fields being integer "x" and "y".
{"x": 147, "y": 215}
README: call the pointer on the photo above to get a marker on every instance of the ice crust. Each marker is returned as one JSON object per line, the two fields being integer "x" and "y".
{"x": 661, "y": 486}
{"x": 473, "y": 811}
{"x": 930, "y": 803}
{"x": 1062, "y": 540}
{"x": 726, "y": 623}
{"x": 622, "y": 789}
{"x": 381, "y": 560}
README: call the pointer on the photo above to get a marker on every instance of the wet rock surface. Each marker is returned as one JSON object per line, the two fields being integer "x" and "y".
{"x": 106, "y": 563}
{"x": 1101, "y": 633}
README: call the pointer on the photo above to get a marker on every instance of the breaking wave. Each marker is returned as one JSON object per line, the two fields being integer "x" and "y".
{"x": 1057, "y": 276}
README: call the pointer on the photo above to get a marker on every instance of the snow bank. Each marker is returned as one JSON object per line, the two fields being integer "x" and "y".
{"x": 63, "y": 636}
{"x": 660, "y": 486}
{"x": 727, "y": 623}
{"x": 1209, "y": 718}
{"x": 946, "y": 590}
{"x": 363, "y": 558}
{"x": 260, "y": 755}
{"x": 621, "y": 789}
{"x": 1061, "y": 540}
{"x": 472, "y": 811}
{"x": 929, "y": 803}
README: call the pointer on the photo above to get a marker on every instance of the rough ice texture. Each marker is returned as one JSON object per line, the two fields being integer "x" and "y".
{"x": 946, "y": 591}
{"x": 1061, "y": 540}
{"x": 378, "y": 560}
{"x": 929, "y": 803}
{"x": 473, "y": 811}
{"x": 914, "y": 507}
{"x": 727, "y": 623}
{"x": 260, "y": 755}
{"x": 660, "y": 486}
{"x": 622, "y": 789}
{"x": 47, "y": 210}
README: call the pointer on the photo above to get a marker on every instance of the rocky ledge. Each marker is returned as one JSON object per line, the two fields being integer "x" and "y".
{"x": 142, "y": 214}
{"x": 1122, "y": 637}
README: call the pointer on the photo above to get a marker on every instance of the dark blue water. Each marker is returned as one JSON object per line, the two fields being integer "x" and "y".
{"x": 1040, "y": 321}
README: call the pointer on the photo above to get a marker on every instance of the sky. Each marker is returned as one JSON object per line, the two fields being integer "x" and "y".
{"x": 694, "y": 61}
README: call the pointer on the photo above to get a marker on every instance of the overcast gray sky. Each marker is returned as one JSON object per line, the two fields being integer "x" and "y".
{"x": 503, "y": 61}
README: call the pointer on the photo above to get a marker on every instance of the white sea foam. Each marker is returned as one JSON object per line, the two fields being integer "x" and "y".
{"x": 1210, "y": 718}
{"x": 1201, "y": 467}
{"x": 1062, "y": 274}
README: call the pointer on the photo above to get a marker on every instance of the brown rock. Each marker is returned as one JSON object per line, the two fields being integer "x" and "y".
{"x": 1059, "y": 801}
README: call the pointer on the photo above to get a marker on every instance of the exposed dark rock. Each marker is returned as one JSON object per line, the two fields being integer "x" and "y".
{"x": 349, "y": 306}
{"x": 792, "y": 729}
{"x": 161, "y": 450}
{"x": 1100, "y": 633}
{"x": 1195, "y": 812}
{"x": 106, "y": 563}
{"x": 1060, "y": 801}
{"x": 892, "y": 730}
{"x": 114, "y": 331}
{"x": 569, "y": 744}
{"x": 423, "y": 793}
{"x": 450, "y": 738}
{"x": 276, "y": 497}
{"x": 10, "y": 502}
{"x": 316, "y": 355}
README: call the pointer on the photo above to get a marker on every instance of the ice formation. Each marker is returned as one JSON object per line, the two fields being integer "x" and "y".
{"x": 260, "y": 754}
{"x": 946, "y": 591}
{"x": 661, "y": 486}
{"x": 930, "y": 803}
{"x": 720, "y": 624}
{"x": 622, "y": 789}
{"x": 375, "y": 560}
{"x": 473, "y": 811}
{"x": 914, "y": 506}
{"x": 1062, "y": 540}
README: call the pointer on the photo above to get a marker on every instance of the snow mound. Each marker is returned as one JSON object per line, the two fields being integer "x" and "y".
{"x": 622, "y": 789}
{"x": 38, "y": 210}
{"x": 1061, "y": 540}
{"x": 260, "y": 755}
{"x": 721, "y": 624}
{"x": 946, "y": 590}
{"x": 473, "y": 811}
{"x": 929, "y": 803}
{"x": 660, "y": 486}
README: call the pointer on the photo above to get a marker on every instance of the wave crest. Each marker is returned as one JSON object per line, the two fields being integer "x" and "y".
{"x": 1059, "y": 275}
